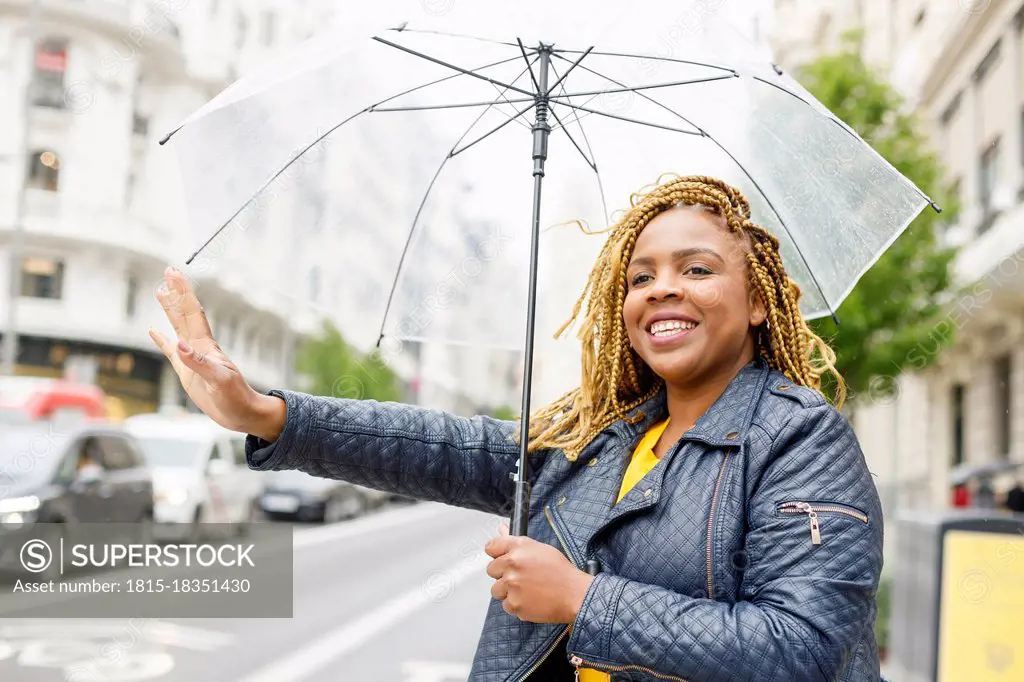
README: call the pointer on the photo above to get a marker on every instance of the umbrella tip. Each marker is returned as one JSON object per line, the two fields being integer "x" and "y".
{"x": 935, "y": 207}
{"x": 835, "y": 319}
{"x": 778, "y": 69}
{"x": 166, "y": 137}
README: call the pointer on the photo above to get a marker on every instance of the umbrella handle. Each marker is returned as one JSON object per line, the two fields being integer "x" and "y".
{"x": 521, "y": 508}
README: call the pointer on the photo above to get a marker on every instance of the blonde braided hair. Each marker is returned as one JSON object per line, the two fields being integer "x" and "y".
{"x": 615, "y": 380}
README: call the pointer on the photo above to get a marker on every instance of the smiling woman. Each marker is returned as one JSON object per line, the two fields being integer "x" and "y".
{"x": 699, "y": 510}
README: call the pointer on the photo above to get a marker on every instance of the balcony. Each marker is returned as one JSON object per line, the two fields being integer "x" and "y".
{"x": 997, "y": 252}
{"x": 131, "y": 22}
{"x": 60, "y": 219}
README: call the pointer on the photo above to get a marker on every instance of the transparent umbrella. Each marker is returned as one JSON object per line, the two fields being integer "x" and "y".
{"x": 495, "y": 131}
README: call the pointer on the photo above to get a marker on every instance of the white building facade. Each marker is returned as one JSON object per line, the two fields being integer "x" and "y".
{"x": 103, "y": 213}
{"x": 959, "y": 66}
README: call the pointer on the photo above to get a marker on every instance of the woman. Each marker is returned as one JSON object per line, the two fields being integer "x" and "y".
{"x": 699, "y": 511}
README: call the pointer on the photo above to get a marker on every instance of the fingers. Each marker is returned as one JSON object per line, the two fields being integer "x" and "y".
{"x": 499, "y": 545}
{"x": 206, "y": 365}
{"x": 168, "y": 349}
{"x": 499, "y": 590}
{"x": 496, "y": 569}
{"x": 183, "y": 309}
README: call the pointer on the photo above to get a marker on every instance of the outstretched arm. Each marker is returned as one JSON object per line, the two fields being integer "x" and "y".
{"x": 404, "y": 449}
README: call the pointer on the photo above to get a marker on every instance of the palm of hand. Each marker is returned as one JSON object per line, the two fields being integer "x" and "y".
{"x": 209, "y": 377}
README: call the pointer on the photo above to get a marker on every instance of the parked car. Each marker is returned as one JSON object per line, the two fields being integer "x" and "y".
{"x": 86, "y": 473}
{"x": 25, "y": 400}
{"x": 200, "y": 475}
{"x": 297, "y": 495}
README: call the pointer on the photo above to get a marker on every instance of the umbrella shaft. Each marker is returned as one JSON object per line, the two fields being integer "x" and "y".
{"x": 541, "y": 131}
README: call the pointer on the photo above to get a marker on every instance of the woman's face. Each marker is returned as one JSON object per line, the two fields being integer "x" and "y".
{"x": 689, "y": 307}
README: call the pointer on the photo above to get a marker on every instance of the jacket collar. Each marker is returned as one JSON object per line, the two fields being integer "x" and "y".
{"x": 724, "y": 424}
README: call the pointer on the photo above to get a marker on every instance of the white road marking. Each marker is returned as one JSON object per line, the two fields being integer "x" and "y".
{"x": 433, "y": 671}
{"x": 367, "y": 524}
{"x": 339, "y": 642}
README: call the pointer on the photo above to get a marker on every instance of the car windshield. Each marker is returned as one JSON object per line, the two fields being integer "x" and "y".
{"x": 29, "y": 452}
{"x": 166, "y": 451}
{"x": 12, "y": 416}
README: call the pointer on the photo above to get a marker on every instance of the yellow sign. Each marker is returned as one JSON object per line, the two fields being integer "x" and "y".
{"x": 981, "y": 615}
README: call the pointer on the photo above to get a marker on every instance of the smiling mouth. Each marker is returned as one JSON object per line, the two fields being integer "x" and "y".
{"x": 667, "y": 329}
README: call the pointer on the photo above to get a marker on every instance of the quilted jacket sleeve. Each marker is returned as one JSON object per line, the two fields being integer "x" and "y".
{"x": 803, "y": 606}
{"x": 425, "y": 454}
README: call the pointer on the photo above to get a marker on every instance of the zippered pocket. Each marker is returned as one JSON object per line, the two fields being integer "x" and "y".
{"x": 812, "y": 509}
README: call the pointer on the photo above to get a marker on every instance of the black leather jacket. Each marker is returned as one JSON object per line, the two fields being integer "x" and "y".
{"x": 752, "y": 551}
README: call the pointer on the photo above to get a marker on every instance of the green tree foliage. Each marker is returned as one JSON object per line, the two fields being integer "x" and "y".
{"x": 891, "y": 322}
{"x": 337, "y": 369}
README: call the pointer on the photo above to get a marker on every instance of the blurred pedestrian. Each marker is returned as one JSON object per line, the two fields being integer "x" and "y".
{"x": 699, "y": 510}
{"x": 985, "y": 495}
{"x": 1015, "y": 498}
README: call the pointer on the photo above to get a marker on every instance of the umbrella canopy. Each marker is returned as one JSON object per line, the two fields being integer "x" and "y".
{"x": 468, "y": 112}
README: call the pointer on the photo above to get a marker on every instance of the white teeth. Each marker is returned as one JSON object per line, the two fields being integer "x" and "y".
{"x": 670, "y": 327}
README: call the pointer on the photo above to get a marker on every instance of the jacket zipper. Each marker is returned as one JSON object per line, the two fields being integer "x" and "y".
{"x": 577, "y": 661}
{"x": 711, "y": 522}
{"x": 812, "y": 514}
{"x": 554, "y": 645}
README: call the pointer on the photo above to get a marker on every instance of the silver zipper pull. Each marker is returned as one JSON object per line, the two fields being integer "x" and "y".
{"x": 576, "y": 661}
{"x": 813, "y": 516}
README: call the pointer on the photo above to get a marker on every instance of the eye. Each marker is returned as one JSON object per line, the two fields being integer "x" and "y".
{"x": 701, "y": 270}
{"x": 639, "y": 279}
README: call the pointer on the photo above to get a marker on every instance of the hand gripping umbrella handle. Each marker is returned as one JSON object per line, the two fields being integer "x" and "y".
{"x": 519, "y": 519}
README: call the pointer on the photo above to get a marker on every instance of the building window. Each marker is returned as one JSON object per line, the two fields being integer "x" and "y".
{"x": 988, "y": 179}
{"x": 42, "y": 278}
{"x": 1002, "y": 367}
{"x": 314, "y": 284}
{"x": 131, "y": 294}
{"x": 242, "y": 28}
{"x": 43, "y": 171}
{"x": 958, "y": 424}
{"x": 48, "y": 73}
{"x": 267, "y": 27}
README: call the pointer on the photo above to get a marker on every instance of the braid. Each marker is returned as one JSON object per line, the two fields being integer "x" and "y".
{"x": 615, "y": 380}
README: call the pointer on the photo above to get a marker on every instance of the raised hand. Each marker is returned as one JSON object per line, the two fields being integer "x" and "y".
{"x": 208, "y": 376}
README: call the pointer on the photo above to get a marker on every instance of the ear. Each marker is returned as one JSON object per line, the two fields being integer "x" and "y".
{"x": 758, "y": 310}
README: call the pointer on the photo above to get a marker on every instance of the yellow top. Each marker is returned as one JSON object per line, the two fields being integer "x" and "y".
{"x": 642, "y": 462}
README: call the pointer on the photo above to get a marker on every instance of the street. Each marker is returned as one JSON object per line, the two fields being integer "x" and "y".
{"x": 396, "y": 595}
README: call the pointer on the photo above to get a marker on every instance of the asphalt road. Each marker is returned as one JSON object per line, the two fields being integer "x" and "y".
{"x": 396, "y": 596}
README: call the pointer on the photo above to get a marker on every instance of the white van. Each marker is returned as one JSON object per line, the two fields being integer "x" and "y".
{"x": 199, "y": 472}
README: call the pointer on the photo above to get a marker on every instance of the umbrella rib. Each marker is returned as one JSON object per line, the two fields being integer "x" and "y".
{"x": 846, "y": 129}
{"x": 561, "y": 125}
{"x": 590, "y": 163}
{"x": 452, "y": 66}
{"x": 451, "y": 35}
{"x": 405, "y": 249}
{"x": 456, "y": 152}
{"x": 533, "y": 77}
{"x": 568, "y": 71}
{"x": 586, "y": 140}
{"x": 782, "y": 222}
{"x": 647, "y": 56}
{"x": 285, "y": 167}
{"x": 633, "y": 120}
{"x": 460, "y": 105}
{"x": 654, "y": 86}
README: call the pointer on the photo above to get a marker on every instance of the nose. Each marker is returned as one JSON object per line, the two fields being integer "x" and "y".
{"x": 664, "y": 289}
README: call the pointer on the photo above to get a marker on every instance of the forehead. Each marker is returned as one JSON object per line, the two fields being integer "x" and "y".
{"x": 684, "y": 227}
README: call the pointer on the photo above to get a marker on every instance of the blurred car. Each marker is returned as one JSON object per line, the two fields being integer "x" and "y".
{"x": 297, "y": 495}
{"x": 200, "y": 475}
{"x": 87, "y": 473}
{"x": 25, "y": 400}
